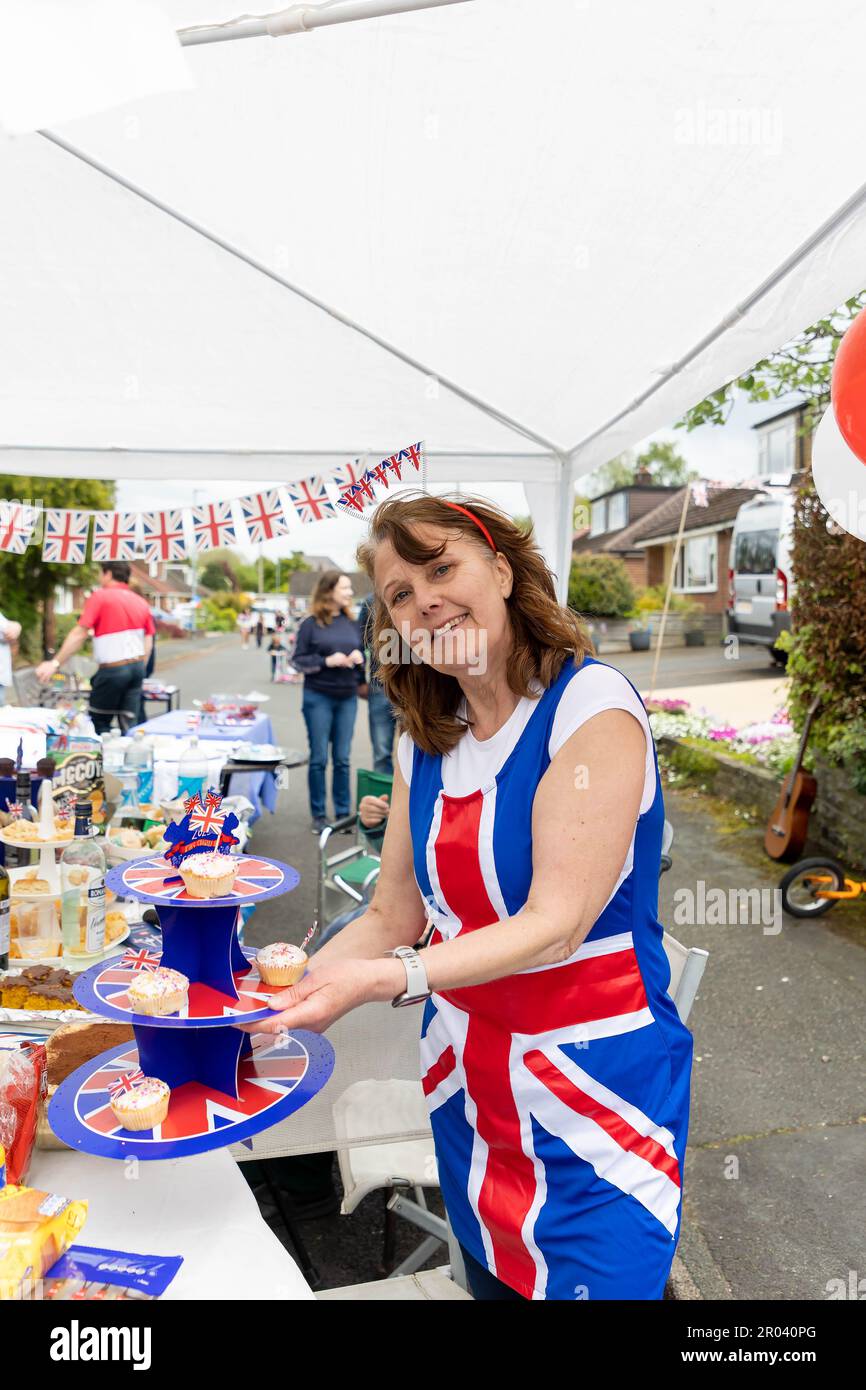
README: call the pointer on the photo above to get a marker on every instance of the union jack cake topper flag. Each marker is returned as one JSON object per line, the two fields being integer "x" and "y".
{"x": 205, "y": 829}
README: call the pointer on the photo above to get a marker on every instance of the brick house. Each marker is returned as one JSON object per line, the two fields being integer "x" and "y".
{"x": 702, "y": 566}
{"x": 612, "y": 517}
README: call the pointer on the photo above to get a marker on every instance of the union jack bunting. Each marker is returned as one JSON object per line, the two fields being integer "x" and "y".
{"x": 379, "y": 474}
{"x": 213, "y": 525}
{"x": 413, "y": 453}
{"x": 163, "y": 535}
{"x": 17, "y": 521}
{"x": 65, "y": 537}
{"x": 353, "y": 499}
{"x": 345, "y": 474}
{"x": 114, "y": 536}
{"x": 126, "y": 1082}
{"x": 310, "y": 499}
{"x": 264, "y": 516}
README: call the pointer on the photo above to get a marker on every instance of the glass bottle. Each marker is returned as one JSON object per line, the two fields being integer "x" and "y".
{"x": 19, "y": 857}
{"x": 82, "y": 888}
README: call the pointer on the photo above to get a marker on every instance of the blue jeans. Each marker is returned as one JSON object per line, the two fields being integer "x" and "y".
{"x": 382, "y": 726}
{"x": 329, "y": 721}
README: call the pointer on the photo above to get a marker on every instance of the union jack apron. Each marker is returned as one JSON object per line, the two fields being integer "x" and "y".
{"x": 559, "y": 1096}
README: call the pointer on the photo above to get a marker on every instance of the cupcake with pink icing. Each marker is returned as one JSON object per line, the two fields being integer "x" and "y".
{"x": 158, "y": 992}
{"x": 140, "y": 1102}
{"x": 281, "y": 964}
{"x": 209, "y": 875}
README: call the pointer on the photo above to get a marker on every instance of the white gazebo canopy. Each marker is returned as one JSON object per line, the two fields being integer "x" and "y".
{"x": 529, "y": 232}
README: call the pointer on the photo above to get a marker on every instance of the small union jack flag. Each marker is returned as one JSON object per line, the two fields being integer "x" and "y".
{"x": 379, "y": 474}
{"x": 139, "y": 960}
{"x": 114, "y": 536}
{"x": 213, "y": 525}
{"x": 17, "y": 521}
{"x": 206, "y": 820}
{"x": 127, "y": 1082}
{"x": 353, "y": 499}
{"x": 65, "y": 537}
{"x": 413, "y": 454}
{"x": 345, "y": 474}
{"x": 163, "y": 535}
{"x": 264, "y": 516}
{"x": 310, "y": 499}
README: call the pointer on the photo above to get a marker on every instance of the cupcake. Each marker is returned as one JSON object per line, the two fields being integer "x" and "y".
{"x": 158, "y": 992}
{"x": 280, "y": 964}
{"x": 144, "y": 1106}
{"x": 209, "y": 875}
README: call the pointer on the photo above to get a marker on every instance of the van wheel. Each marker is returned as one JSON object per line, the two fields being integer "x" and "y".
{"x": 780, "y": 658}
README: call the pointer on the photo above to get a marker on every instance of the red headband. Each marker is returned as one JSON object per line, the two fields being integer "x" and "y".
{"x": 455, "y": 506}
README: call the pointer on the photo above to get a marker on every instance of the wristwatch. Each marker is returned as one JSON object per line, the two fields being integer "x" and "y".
{"x": 417, "y": 988}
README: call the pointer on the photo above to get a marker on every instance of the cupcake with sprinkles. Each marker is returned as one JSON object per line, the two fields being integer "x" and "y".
{"x": 139, "y": 1101}
{"x": 281, "y": 964}
{"x": 159, "y": 992}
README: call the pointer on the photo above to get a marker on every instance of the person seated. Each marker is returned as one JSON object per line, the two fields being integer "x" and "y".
{"x": 373, "y": 817}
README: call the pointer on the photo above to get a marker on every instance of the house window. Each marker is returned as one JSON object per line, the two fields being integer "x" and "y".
{"x": 617, "y": 511}
{"x": 696, "y": 565}
{"x": 777, "y": 449}
{"x": 598, "y": 518}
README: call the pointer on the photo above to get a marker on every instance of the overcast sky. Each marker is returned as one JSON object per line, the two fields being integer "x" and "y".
{"x": 728, "y": 453}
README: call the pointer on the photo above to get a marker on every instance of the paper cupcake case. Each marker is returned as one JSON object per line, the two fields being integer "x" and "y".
{"x": 225, "y": 1085}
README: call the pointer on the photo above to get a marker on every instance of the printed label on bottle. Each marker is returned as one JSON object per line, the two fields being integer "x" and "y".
{"x": 145, "y": 786}
{"x": 95, "y": 932}
{"x": 188, "y": 786}
{"x": 4, "y": 927}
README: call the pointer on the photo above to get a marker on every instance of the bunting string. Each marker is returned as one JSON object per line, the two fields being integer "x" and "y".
{"x": 180, "y": 533}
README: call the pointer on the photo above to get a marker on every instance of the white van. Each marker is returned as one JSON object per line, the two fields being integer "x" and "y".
{"x": 760, "y": 576}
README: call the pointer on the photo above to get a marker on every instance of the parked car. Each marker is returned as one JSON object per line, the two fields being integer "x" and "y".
{"x": 760, "y": 577}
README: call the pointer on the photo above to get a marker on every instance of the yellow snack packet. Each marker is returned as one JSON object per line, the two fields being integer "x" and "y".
{"x": 35, "y": 1229}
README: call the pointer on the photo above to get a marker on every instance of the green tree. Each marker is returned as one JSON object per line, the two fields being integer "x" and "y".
{"x": 27, "y": 584}
{"x": 801, "y": 367}
{"x": 661, "y": 459}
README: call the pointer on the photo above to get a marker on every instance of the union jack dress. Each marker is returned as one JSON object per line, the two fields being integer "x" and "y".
{"x": 559, "y": 1096}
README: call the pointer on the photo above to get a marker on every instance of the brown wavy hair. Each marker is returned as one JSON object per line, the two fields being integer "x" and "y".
{"x": 544, "y": 633}
{"x": 320, "y": 601}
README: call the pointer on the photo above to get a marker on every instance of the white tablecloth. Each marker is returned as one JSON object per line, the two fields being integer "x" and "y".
{"x": 200, "y": 1208}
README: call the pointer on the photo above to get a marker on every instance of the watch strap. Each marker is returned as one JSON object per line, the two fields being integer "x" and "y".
{"x": 417, "y": 987}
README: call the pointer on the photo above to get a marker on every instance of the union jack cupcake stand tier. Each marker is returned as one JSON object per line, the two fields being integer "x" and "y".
{"x": 225, "y": 1085}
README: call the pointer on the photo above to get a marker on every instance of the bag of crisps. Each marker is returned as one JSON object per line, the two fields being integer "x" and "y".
{"x": 35, "y": 1229}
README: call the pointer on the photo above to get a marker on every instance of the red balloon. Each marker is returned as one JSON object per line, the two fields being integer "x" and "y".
{"x": 848, "y": 387}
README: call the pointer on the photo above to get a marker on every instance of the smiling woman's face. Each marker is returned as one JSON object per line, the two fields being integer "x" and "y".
{"x": 452, "y": 609}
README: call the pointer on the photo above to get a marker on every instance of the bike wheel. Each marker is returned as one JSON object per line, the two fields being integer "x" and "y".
{"x": 800, "y": 884}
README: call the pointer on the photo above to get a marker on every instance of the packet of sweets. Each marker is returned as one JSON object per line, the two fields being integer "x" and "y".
{"x": 88, "y": 1273}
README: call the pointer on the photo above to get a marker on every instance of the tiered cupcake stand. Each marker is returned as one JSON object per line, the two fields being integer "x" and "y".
{"x": 226, "y": 1085}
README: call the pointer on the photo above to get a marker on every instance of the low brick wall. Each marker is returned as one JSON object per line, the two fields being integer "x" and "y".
{"x": 837, "y": 825}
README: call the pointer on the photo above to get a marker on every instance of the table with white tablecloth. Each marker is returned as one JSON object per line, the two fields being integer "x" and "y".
{"x": 200, "y": 1208}
{"x": 215, "y": 741}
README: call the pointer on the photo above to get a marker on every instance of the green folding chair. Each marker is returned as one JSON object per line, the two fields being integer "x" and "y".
{"x": 349, "y": 876}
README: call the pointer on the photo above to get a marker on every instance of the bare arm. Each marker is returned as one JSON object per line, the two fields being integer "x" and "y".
{"x": 73, "y": 642}
{"x": 581, "y": 829}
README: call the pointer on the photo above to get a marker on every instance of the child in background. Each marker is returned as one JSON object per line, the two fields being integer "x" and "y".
{"x": 275, "y": 646}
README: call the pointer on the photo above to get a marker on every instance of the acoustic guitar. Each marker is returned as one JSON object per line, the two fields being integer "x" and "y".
{"x": 789, "y": 824}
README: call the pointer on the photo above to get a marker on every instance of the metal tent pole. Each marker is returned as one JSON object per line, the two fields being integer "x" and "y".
{"x": 302, "y": 19}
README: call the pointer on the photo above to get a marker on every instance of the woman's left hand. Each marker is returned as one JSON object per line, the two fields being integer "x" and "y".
{"x": 323, "y": 996}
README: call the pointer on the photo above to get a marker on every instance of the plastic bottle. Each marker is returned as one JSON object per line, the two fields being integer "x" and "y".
{"x": 192, "y": 769}
{"x": 82, "y": 888}
{"x": 139, "y": 757}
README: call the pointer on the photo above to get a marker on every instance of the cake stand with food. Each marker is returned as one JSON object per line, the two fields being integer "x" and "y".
{"x": 192, "y": 1080}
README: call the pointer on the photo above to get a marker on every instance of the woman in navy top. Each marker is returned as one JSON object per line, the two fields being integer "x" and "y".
{"x": 329, "y": 654}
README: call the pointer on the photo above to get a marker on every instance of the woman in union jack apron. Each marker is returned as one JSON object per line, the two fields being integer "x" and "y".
{"x": 555, "y": 1065}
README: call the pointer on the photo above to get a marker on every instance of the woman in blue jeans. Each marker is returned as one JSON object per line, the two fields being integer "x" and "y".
{"x": 328, "y": 653}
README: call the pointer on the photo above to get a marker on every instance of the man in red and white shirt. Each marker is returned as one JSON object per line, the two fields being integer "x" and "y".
{"x": 122, "y": 629}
